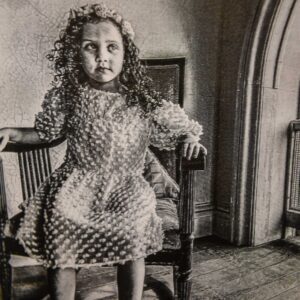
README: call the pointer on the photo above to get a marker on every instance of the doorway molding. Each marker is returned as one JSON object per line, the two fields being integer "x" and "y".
{"x": 259, "y": 65}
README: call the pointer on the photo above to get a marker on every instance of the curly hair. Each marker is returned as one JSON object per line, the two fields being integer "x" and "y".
{"x": 68, "y": 72}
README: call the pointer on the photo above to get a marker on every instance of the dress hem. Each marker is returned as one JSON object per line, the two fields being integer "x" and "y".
{"x": 77, "y": 266}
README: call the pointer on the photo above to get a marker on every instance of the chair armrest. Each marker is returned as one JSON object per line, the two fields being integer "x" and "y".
{"x": 187, "y": 180}
{"x": 15, "y": 147}
{"x": 198, "y": 163}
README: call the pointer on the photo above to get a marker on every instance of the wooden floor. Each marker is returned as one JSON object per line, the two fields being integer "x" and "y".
{"x": 221, "y": 271}
{"x": 268, "y": 272}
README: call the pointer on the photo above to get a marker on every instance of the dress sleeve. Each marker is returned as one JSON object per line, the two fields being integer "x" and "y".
{"x": 50, "y": 122}
{"x": 169, "y": 123}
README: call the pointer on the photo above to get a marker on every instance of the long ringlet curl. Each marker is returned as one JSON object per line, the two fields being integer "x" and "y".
{"x": 68, "y": 72}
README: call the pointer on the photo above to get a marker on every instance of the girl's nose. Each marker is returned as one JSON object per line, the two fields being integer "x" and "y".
{"x": 101, "y": 56}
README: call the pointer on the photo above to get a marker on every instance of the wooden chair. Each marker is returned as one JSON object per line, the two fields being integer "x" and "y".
{"x": 180, "y": 255}
{"x": 35, "y": 166}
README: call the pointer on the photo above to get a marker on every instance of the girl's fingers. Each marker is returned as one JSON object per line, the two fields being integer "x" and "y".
{"x": 190, "y": 149}
{"x": 193, "y": 150}
{"x": 196, "y": 150}
{"x": 185, "y": 149}
{"x": 3, "y": 142}
{"x": 203, "y": 149}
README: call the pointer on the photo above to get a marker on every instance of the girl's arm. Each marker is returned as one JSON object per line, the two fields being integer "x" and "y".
{"x": 49, "y": 123}
{"x": 18, "y": 135}
{"x": 171, "y": 125}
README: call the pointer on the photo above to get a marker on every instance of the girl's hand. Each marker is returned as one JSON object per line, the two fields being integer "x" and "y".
{"x": 4, "y": 138}
{"x": 192, "y": 148}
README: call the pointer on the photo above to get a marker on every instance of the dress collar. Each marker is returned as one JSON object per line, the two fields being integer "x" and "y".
{"x": 86, "y": 88}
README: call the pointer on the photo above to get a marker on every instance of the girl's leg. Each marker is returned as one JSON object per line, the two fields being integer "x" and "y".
{"x": 62, "y": 283}
{"x": 131, "y": 280}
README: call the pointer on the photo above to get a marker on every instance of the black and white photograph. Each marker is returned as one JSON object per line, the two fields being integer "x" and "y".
{"x": 149, "y": 149}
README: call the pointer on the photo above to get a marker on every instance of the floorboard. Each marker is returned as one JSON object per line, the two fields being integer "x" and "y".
{"x": 220, "y": 271}
{"x": 290, "y": 294}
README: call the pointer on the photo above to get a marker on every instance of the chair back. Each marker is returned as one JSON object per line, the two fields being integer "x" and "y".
{"x": 168, "y": 79}
{"x": 33, "y": 167}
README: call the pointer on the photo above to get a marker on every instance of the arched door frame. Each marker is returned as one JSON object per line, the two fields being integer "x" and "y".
{"x": 249, "y": 106}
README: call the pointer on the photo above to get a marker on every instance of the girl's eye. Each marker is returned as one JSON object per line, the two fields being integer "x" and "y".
{"x": 90, "y": 47}
{"x": 113, "y": 47}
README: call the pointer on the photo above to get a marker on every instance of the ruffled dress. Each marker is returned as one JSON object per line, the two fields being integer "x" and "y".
{"x": 97, "y": 208}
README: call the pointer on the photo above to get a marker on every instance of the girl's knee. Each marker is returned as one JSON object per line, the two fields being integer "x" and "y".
{"x": 138, "y": 261}
{"x": 61, "y": 272}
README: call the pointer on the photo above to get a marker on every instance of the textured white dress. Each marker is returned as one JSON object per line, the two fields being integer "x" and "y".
{"x": 96, "y": 208}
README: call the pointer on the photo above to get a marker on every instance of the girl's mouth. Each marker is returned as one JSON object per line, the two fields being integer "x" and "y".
{"x": 102, "y": 69}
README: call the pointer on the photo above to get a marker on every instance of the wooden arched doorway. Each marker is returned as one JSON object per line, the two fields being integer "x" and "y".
{"x": 268, "y": 100}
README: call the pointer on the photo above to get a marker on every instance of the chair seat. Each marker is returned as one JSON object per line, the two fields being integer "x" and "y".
{"x": 22, "y": 261}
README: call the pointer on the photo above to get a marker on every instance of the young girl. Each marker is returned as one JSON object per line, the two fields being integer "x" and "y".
{"x": 96, "y": 208}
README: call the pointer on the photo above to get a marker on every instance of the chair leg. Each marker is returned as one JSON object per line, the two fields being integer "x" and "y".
{"x": 183, "y": 272}
{"x": 183, "y": 285}
{"x": 5, "y": 272}
{"x": 175, "y": 275}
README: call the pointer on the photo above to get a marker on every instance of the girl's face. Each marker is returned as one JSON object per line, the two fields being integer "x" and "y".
{"x": 102, "y": 54}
